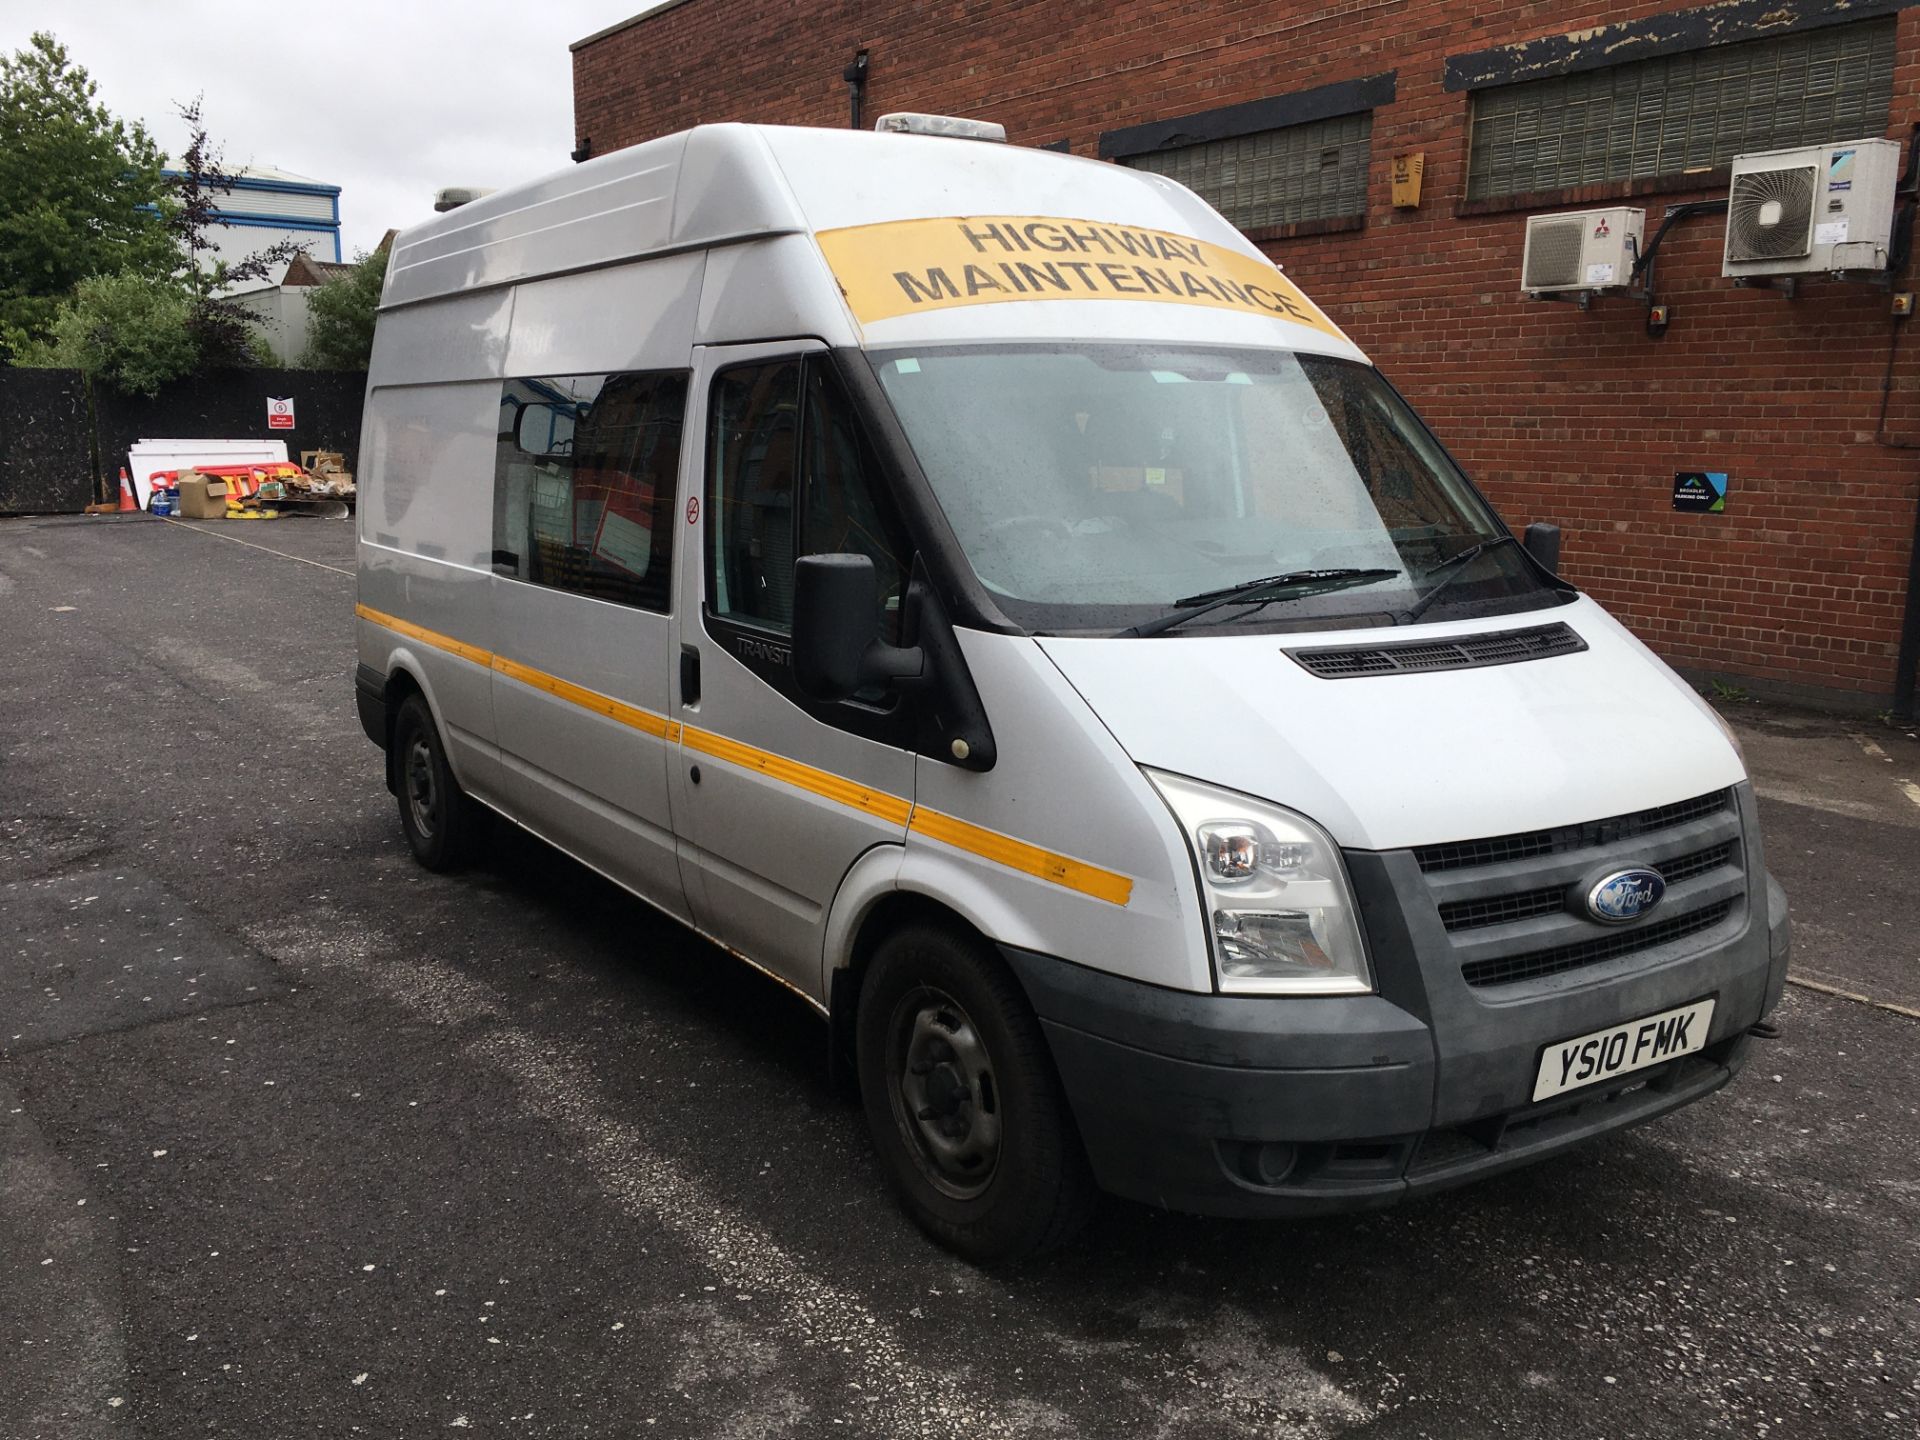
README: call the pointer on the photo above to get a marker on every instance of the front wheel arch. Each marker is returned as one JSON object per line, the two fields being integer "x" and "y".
{"x": 893, "y": 911}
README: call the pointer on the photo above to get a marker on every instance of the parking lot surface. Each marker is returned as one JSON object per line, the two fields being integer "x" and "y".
{"x": 297, "y": 1138}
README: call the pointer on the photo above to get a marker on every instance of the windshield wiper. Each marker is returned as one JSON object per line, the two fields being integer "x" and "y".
{"x": 1455, "y": 564}
{"x": 1263, "y": 591}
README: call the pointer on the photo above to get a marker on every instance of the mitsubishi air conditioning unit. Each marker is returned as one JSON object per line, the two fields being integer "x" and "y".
{"x": 1589, "y": 250}
{"x": 1817, "y": 210}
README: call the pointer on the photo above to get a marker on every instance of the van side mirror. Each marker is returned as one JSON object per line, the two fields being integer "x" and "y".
{"x": 837, "y": 649}
{"x": 1542, "y": 542}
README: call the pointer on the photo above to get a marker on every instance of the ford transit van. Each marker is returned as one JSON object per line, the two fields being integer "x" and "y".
{"x": 976, "y": 588}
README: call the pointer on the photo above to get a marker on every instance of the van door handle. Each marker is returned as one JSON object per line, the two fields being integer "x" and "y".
{"x": 689, "y": 675}
{"x": 505, "y": 562}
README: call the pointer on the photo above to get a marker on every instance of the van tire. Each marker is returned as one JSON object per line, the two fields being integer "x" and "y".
{"x": 973, "y": 1129}
{"x": 442, "y": 822}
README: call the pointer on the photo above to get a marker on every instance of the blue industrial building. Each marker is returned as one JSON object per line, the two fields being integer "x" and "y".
{"x": 267, "y": 205}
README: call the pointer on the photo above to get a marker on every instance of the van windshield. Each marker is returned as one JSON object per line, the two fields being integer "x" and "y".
{"x": 1094, "y": 487}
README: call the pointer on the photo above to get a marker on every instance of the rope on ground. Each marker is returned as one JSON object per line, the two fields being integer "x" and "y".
{"x": 1855, "y": 996}
{"x": 235, "y": 539}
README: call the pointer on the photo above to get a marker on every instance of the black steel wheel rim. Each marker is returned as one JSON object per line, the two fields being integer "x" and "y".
{"x": 946, "y": 1101}
{"x": 422, "y": 786}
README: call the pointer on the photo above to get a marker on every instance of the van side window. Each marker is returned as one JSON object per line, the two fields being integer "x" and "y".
{"x": 752, "y": 460}
{"x": 789, "y": 473}
{"x": 585, "y": 476}
{"x": 846, "y": 507}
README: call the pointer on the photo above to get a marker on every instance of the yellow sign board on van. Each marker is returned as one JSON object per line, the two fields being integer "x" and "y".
{"x": 904, "y": 267}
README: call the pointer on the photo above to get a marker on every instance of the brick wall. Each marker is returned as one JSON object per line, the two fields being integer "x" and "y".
{"x": 1579, "y": 418}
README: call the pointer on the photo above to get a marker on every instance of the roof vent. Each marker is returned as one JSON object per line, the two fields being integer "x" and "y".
{"x": 907, "y": 122}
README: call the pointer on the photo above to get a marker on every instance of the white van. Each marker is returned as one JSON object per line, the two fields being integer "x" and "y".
{"x": 974, "y": 587}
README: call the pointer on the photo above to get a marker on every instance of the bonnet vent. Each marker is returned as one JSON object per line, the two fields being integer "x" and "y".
{"x": 1459, "y": 652}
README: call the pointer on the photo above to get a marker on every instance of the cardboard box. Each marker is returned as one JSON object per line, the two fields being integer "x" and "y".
{"x": 202, "y": 497}
{"x": 322, "y": 462}
{"x": 337, "y": 484}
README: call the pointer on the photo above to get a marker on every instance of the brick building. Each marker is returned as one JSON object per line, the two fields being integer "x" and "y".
{"x": 1290, "y": 118}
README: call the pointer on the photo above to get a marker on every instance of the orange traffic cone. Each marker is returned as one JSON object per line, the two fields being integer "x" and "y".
{"x": 127, "y": 500}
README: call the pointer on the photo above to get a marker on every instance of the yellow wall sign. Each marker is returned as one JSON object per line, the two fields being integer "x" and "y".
{"x": 903, "y": 267}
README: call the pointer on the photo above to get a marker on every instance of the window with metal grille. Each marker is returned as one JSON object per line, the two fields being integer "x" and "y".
{"x": 1674, "y": 113}
{"x": 1316, "y": 171}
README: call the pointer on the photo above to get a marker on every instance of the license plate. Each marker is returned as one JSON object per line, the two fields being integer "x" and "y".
{"x": 1621, "y": 1049}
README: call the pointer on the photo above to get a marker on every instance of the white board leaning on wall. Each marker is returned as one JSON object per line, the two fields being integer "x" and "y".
{"x": 148, "y": 457}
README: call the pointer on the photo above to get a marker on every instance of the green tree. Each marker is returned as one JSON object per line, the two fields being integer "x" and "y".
{"x": 81, "y": 192}
{"x": 130, "y": 330}
{"x": 340, "y": 316}
{"x": 223, "y": 329}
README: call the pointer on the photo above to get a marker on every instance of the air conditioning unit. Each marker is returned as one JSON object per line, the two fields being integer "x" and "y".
{"x": 1588, "y": 250}
{"x": 1812, "y": 211}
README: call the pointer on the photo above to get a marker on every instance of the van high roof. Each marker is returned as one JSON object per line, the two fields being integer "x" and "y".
{"x": 919, "y": 237}
{"x": 722, "y": 184}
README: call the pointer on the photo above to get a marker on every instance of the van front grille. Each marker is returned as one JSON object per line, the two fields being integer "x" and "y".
{"x": 1688, "y": 866}
{"x": 1503, "y": 848}
{"x": 1500, "y": 909}
{"x": 1548, "y": 900}
{"x": 1512, "y": 906}
{"x": 1508, "y": 969}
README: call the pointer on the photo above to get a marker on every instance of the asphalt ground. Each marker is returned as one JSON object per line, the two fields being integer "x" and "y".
{"x": 298, "y": 1139}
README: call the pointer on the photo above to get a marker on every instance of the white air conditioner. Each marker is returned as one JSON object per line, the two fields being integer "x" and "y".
{"x": 1812, "y": 211}
{"x": 1587, "y": 250}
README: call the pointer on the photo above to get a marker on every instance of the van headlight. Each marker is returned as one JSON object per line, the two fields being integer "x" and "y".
{"x": 1280, "y": 912}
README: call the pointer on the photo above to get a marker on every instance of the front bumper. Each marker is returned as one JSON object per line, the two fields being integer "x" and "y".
{"x": 1238, "y": 1105}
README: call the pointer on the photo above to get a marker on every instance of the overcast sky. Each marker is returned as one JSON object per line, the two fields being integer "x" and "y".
{"x": 388, "y": 99}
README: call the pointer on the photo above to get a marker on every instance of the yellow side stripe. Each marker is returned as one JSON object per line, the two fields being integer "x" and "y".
{"x": 802, "y": 777}
{"x": 424, "y": 635}
{"x": 1015, "y": 854}
{"x": 642, "y": 720}
{"x": 1063, "y": 870}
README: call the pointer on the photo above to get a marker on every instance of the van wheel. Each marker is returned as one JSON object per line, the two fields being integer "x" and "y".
{"x": 441, "y": 822}
{"x": 961, "y": 1096}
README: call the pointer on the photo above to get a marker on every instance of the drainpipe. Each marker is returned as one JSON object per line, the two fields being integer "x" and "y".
{"x": 1907, "y": 668}
{"x": 856, "y": 77}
